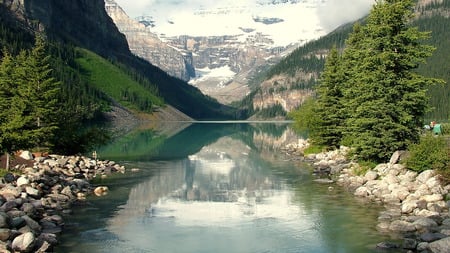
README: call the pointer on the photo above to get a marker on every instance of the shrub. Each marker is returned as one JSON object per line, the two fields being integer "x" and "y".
{"x": 313, "y": 149}
{"x": 432, "y": 152}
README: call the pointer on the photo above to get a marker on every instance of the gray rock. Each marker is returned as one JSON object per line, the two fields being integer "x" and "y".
{"x": 424, "y": 223}
{"x": 431, "y": 237}
{"x": 28, "y": 208}
{"x": 23, "y": 242}
{"x": 409, "y": 243}
{"x": 4, "y": 220}
{"x": 422, "y": 246}
{"x": 440, "y": 246}
{"x": 387, "y": 245}
{"x": 32, "y": 223}
{"x": 402, "y": 226}
{"x": 32, "y": 192}
{"x": 18, "y": 222}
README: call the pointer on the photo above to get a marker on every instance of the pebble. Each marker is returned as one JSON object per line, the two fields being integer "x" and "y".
{"x": 418, "y": 200}
{"x": 33, "y": 199}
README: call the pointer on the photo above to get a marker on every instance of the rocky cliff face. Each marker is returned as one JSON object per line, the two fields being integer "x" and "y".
{"x": 283, "y": 90}
{"x": 212, "y": 56}
{"x": 81, "y": 22}
{"x": 145, "y": 44}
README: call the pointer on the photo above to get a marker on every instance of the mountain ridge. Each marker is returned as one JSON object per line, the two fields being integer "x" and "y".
{"x": 85, "y": 23}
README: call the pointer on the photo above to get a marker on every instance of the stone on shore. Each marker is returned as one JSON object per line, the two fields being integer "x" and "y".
{"x": 23, "y": 242}
{"x": 31, "y": 201}
{"x": 440, "y": 246}
{"x": 417, "y": 204}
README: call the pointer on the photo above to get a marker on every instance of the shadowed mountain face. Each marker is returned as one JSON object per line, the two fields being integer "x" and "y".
{"x": 85, "y": 23}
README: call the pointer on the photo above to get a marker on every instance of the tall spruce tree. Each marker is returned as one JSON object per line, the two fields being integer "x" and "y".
{"x": 14, "y": 134}
{"x": 40, "y": 89}
{"x": 328, "y": 112}
{"x": 385, "y": 99}
{"x": 28, "y": 99}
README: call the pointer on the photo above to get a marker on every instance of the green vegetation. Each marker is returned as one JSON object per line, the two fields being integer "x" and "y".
{"x": 271, "y": 112}
{"x": 371, "y": 98}
{"x": 108, "y": 78}
{"x": 28, "y": 103}
{"x": 434, "y": 18}
{"x": 432, "y": 152}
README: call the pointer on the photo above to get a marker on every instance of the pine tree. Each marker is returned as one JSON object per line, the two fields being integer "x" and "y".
{"x": 329, "y": 115}
{"x": 40, "y": 90}
{"x": 384, "y": 97}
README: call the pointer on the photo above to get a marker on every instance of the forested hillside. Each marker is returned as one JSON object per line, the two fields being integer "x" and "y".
{"x": 310, "y": 58}
{"x": 75, "y": 50}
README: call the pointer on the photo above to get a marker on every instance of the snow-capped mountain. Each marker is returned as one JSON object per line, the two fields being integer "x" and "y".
{"x": 282, "y": 22}
{"x": 231, "y": 40}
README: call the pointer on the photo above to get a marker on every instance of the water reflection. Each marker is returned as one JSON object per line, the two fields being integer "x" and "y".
{"x": 229, "y": 192}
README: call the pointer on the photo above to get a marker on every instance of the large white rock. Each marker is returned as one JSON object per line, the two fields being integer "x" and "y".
{"x": 23, "y": 242}
{"x": 27, "y": 155}
{"x": 408, "y": 206}
{"x": 22, "y": 180}
{"x": 362, "y": 192}
{"x": 425, "y": 175}
{"x": 432, "y": 198}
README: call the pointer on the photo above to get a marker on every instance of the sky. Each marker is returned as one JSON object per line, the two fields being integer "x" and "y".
{"x": 194, "y": 17}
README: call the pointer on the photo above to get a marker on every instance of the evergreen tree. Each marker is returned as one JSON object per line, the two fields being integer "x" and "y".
{"x": 40, "y": 90}
{"x": 328, "y": 113}
{"x": 384, "y": 97}
{"x": 28, "y": 99}
{"x": 13, "y": 119}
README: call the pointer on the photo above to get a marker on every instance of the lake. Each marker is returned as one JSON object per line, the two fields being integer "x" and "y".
{"x": 217, "y": 188}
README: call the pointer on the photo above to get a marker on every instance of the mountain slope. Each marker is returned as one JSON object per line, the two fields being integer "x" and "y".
{"x": 301, "y": 69}
{"x": 84, "y": 23}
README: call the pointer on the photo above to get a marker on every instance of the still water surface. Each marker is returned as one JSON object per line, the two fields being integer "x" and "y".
{"x": 217, "y": 188}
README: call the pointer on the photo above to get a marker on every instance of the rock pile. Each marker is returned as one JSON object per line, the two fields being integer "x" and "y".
{"x": 417, "y": 206}
{"x": 31, "y": 203}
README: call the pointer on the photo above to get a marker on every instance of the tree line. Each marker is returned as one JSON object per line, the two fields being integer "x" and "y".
{"x": 28, "y": 99}
{"x": 370, "y": 96}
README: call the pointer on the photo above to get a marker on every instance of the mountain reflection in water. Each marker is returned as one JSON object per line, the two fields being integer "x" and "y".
{"x": 218, "y": 188}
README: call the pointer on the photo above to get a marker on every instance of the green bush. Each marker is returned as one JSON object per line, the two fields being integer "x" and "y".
{"x": 432, "y": 152}
{"x": 445, "y": 128}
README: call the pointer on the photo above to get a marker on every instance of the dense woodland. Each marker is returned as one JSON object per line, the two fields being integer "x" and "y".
{"x": 311, "y": 57}
{"x": 370, "y": 95}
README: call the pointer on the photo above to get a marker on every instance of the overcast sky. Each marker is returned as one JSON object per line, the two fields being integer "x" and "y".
{"x": 331, "y": 13}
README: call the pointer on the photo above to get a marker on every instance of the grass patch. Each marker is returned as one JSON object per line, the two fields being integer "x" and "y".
{"x": 313, "y": 149}
{"x": 3, "y": 172}
{"x": 117, "y": 84}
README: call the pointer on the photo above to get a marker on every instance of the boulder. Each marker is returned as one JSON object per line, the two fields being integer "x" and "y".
{"x": 440, "y": 246}
{"x": 27, "y": 155}
{"x": 425, "y": 175}
{"x": 408, "y": 206}
{"x": 409, "y": 243}
{"x": 431, "y": 237}
{"x": 402, "y": 226}
{"x": 23, "y": 242}
{"x": 371, "y": 175}
{"x": 424, "y": 223}
{"x": 22, "y": 180}
{"x": 5, "y": 233}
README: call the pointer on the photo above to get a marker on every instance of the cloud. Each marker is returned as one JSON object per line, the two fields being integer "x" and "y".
{"x": 336, "y": 12}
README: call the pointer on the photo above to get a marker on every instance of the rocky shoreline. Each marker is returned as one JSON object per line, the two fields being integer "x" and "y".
{"x": 416, "y": 204}
{"x": 35, "y": 198}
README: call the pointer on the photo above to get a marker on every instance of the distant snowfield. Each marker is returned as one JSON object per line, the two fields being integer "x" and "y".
{"x": 222, "y": 74}
{"x": 284, "y": 22}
